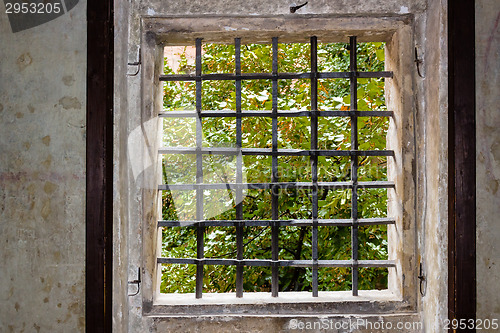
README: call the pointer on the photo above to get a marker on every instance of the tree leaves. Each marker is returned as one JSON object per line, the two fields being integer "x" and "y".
{"x": 294, "y": 132}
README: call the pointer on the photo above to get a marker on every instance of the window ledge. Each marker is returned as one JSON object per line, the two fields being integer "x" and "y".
{"x": 395, "y": 322}
{"x": 340, "y": 302}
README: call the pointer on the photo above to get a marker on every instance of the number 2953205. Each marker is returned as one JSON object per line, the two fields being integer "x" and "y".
{"x": 478, "y": 324}
{"x": 33, "y": 8}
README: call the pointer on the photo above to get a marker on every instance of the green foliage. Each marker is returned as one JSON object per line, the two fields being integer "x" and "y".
{"x": 294, "y": 132}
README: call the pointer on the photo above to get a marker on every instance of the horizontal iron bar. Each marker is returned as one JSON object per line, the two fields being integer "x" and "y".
{"x": 374, "y": 75}
{"x": 269, "y": 113}
{"x": 270, "y": 76}
{"x": 281, "y": 263}
{"x": 281, "y": 223}
{"x": 268, "y": 151}
{"x": 280, "y": 185}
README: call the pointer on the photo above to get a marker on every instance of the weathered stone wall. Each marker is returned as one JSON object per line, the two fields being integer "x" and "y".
{"x": 42, "y": 174}
{"x": 488, "y": 157}
{"x": 432, "y": 165}
{"x": 42, "y": 163}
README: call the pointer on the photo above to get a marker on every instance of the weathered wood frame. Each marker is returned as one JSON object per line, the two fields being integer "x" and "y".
{"x": 99, "y": 167}
{"x": 462, "y": 161}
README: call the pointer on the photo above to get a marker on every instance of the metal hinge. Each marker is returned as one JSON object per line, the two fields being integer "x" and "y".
{"x": 418, "y": 62}
{"x": 137, "y": 281}
{"x": 293, "y": 9}
{"x": 423, "y": 282}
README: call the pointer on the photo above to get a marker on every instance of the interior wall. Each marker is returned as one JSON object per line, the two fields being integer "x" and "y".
{"x": 42, "y": 164}
{"x": 121, "y": 195}
{"x": 42, "y": 174}
{"x": 487, "y": 158}
{"x": 432, "y": 166}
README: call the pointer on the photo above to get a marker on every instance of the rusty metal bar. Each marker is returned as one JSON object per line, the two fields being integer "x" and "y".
{"x": 271, "y": 152}
{"x": 314, "y": 161}
{"x": 199, "y": 176}
{"x": 274, "y": 177}
{"x": 354, "y": 164}
{"x": 281, "y": 223}
{"x": 269, "y": 113}
{"x": 281, "y": 263}
{"x": 239, "y": 171}
{"x": 276, "y": 186}
{"x": 269, "y": 76}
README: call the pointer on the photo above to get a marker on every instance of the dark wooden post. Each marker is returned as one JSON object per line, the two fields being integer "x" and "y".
{"x": 99, "y": 179}
{"x": 462, "y": 161}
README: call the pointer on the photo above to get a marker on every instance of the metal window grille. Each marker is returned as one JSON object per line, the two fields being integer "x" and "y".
{"x": 275, "y": 185}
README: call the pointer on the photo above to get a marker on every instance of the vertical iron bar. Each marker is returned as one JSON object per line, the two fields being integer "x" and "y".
{"x": 354, "y": 165}
{"x": 274, "y": 194}
{"x": 199, "y": 175}
{"x": 314, "y": 161}
{"x": 239, "y": 171}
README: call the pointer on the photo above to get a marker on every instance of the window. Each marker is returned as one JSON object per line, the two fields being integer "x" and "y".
{"x": 241, "y": 226}
{"x": 216, "y": 173}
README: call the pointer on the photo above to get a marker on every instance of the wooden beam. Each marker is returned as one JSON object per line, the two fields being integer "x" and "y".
{"x": 462, "y": 161}
{"x": 99, "y": 175}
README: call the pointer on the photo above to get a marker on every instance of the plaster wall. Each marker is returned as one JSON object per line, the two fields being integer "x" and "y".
{"x": 432, "y": 166}
{"x": 488, "y": 157}
{"x": 42, "y": 174}
{"x": 121, "y": 193}
{"x": 42, "y": 163}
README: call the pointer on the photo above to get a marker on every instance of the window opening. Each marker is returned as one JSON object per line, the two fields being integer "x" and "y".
{"x": 190, "y": 210}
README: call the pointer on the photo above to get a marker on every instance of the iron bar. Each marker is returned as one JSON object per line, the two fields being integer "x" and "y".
{"x": 281, "y": 263}
{"x": 269, "y": 113}
{"x": 272, "y": 152}
{"x": 274, "y": 177}
{"x": 239, "y": 171}
{"x": 271, "y": 76}
{"x": 276, "y": 186}
{"x": 314, "y": 161}
{"x": 281, "y": 223}
{"x": 354, "y": 163}
{"x": 199, "y": 175}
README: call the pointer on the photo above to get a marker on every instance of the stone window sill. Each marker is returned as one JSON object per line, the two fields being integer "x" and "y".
{"x": 293, "y": 303}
